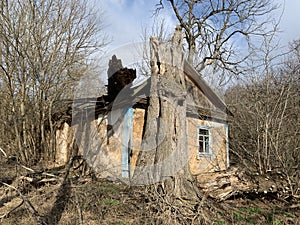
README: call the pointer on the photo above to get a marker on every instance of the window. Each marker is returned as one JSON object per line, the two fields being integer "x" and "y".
{"x": 204, "y": 142}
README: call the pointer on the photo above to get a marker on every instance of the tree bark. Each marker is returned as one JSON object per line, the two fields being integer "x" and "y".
{"x": 164, "y": 157}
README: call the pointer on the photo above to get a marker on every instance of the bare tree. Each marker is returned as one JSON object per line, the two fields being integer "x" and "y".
{"x": 163, "y": 159}
{"x": 45, "y": 48}
{"x": 214, "y": 25}
{"x": 159, "y": 29}
{"x": 220, "y": 33}
{"x": 266, "y": 107}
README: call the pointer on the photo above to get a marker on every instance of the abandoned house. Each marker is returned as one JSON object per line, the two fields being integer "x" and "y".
{"x": 118, "y": 118}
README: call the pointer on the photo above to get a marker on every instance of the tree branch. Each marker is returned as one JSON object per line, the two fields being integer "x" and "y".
{"x": 28, "y": 205}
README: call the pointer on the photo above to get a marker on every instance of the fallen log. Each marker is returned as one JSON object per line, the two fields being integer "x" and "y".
{"x": 234, "y": 182}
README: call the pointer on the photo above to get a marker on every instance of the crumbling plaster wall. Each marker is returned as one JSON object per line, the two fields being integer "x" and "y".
{"x": 217, "y": 160}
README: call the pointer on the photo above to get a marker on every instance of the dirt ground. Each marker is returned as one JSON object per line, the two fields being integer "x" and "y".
{"x": 41, "y": 197}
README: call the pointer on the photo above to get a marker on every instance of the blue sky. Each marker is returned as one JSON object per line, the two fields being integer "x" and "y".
{"x": 290, "y": 25}
{"x": 125, "y": 19}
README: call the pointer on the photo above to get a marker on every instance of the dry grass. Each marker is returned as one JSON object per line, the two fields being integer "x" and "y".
{"x": 83, "y": 200}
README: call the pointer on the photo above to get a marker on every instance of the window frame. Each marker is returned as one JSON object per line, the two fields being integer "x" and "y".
{"x": 205, "y": 154}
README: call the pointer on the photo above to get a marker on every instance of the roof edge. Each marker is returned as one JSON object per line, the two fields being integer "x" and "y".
{"x": 205, "y": 88}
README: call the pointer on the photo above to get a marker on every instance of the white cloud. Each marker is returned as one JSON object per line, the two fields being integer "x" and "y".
{"x": 125, "y": 19}
{"x": 115, "y": 3}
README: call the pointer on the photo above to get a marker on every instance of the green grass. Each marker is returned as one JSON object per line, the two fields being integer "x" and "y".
{"x": 272, "y": 220}
{"x": 111, "y": 202}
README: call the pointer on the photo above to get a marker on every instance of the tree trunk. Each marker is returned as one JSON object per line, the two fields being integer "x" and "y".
{"x": 164, "y": 158}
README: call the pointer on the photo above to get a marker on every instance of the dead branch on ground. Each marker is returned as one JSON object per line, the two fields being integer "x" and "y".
{"x": 28, "y": 205}
{"x": 3, "y": 152}
{"x": 10, "y": 211}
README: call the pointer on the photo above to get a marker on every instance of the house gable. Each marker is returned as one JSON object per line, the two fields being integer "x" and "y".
{"x": 206, "y": 102}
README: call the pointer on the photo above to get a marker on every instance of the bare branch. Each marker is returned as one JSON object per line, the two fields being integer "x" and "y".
{"x": 213, "y": 29}
{"x": 28, "y": 205}
{"x": 3, "y": 152}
